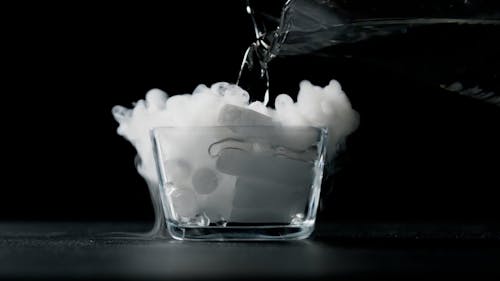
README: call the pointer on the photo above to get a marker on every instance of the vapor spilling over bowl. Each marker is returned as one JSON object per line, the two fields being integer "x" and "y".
{"x": 240, "y": 182}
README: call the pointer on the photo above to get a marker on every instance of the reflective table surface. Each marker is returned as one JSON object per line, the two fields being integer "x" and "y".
{"x": 336, "y": 251}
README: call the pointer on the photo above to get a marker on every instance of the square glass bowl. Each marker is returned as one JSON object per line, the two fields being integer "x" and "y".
{"x": 240, "y": 182}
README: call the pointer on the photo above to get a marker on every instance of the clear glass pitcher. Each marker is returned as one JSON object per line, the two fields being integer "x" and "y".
{"x": 409, "y": 34}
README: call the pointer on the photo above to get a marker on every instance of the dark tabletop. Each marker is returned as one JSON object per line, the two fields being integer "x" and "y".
{"x": 336, "y": 251}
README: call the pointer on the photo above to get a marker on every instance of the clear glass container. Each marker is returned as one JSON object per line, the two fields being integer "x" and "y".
{"x": 240, "y": 182}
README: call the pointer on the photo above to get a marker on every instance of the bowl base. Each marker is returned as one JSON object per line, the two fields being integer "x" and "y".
{"x": 240, "y": 233}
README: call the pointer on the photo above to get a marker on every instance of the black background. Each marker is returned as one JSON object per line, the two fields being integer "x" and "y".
{"x": 66, "y": 64}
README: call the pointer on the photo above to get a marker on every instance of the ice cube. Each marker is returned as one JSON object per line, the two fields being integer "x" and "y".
{"x": 257, "y": 200}
{"x": 256, "y": 127}
{"x": 296, "y": 138}
{"x": 259, "y": 193}
{"x": 177, "y": 170}
{"x": 205, "y": 181}
{"x": 253, "y": 125}
{"x": 262, "y": 147}
{"x": 232, "y": 115}
{"x": 293, "y": 138}
{"x": 183, "y": 202}
{"x": 215, "y": 148}
{"x": 218, "y": 204}
{"x": 213, "y": 212}
{"x": 265, "y": 166}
